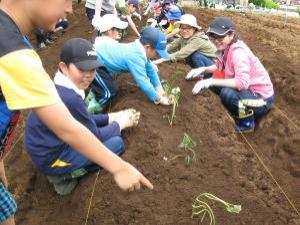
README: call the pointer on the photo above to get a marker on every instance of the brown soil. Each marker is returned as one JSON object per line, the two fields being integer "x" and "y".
{"x": 226, "y": 164}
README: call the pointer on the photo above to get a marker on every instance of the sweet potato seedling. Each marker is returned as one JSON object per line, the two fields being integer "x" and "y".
{"x": 200, "y": 207}
{"x": 187, "y": 150}
{"x": 175, "y": 94}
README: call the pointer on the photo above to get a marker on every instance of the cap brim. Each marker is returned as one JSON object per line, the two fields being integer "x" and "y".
{"x": 121, "y": 25}
{"x": 216, "y": 31}
{"x": 87, "y": 65}
{"x": 195, "y": 26}
{"x": 163, "y": 53}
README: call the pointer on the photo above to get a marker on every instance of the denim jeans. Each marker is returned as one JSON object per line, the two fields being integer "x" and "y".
{"x": 77, "y": 161}
{"x": 91, "y": 12}
{"x": 199, "y": 60}
{"x": 230, "y": 98}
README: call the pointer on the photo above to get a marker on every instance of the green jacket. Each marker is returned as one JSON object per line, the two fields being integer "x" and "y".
{"x": 198, "y": 42}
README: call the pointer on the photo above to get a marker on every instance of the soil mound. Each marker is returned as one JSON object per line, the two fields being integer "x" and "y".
{"x": 226, "y": 165}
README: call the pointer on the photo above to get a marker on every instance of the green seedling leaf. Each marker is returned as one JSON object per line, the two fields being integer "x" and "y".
{"x": 234, "y": 208}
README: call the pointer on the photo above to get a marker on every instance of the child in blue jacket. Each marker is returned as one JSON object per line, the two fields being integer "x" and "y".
{"x": 135, "y": 57}
{"x": 50, "y": 154}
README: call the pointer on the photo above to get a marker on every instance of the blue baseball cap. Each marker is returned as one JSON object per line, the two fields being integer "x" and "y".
{"x": 168, "y": 1}
{"x": 174, "y": 13}
{"x": 134, "y": 2}
{"x": 156, "y": 39}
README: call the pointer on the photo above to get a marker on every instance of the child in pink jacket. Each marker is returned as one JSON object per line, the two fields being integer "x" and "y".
{"x": 243, "y": 83}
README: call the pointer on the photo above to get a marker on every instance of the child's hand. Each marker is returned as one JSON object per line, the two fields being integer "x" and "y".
{"x": 128, "y": 178}
{"x": 195, "y": 73}
{"x": 159, "y": 61}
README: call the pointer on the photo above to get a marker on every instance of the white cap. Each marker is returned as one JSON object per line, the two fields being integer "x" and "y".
{"x": 109, "y": 21}
{"x": 189, "y": 19}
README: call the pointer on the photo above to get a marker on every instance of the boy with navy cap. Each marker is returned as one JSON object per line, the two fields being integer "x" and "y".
{"x": 135, "y": 57}
{"x": 35, "y": 90}
{"x": 55, "y": 158}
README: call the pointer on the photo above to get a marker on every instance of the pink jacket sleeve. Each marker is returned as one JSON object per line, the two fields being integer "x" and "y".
{"x": 242, "y": 67}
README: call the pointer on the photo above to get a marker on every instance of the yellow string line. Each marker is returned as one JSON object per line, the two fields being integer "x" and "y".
{"x": 285, "y": 116}
{"x": 16, "y": 142}
{"x": 91, "y": 199}
{"x": 268, "y": 171}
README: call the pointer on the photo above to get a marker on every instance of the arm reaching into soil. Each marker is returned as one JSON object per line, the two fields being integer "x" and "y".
{"x": 132, "y": 25}
{"x": 80, "y": 138}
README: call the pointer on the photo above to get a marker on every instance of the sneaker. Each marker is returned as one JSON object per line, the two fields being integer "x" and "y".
{"x": 41, "y": 45}
{"x": 48, "y": 41}
{"x": 63, "y": 185}
{"x": 245, "y": 123}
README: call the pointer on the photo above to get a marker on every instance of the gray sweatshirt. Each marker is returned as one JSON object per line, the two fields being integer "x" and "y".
{"x": 107, "y": 5}
{"x": 185, "y": 47}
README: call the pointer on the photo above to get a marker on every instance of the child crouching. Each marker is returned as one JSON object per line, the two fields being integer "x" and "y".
{"x": 52, "y": 156}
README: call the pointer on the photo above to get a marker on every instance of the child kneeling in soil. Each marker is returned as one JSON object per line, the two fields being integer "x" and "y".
{"x": 193, "y": 46}
{"x": 52, "y": 156}
{"x": 240, "y": 79}
{"x": 135, "y": 57}
{"x": 103, "y": 87}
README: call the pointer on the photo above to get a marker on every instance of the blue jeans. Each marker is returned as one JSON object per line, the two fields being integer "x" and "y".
{"x": 230, "y": 98}
{"x": 77, "y": 161}
{"x": 199, "y": 60}
{"x": 91, "y": 12}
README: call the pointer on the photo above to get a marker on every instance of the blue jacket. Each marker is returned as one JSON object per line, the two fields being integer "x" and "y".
{"x": 44, "y": 146}
{"x": 120, "y": 57}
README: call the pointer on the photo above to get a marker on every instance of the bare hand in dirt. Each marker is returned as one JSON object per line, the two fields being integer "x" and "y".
{"x": 129, "y": 178}
{"x": 3, "y": 178}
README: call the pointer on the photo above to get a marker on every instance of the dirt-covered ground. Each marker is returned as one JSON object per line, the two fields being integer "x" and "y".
{"x": 226, "y": 167}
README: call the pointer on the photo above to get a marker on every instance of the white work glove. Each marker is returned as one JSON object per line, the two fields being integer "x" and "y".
{"x": 137, "y": 15}
{"x": 96, "y": 22}
{"x": 155, "y": 67}
{"x": 163, "y": 22}
{"x": 202, "y": 84}
{"x": 153, "y": 24}
{"x": 159, "y": 61}
{"x": 159, "y": 90}
{"x": 194, "y": 73}
{"x": 165, "y": 100}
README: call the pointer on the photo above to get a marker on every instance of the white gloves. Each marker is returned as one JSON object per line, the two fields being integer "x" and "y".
{"x": 137, "y": 15}
{"x": 194, "y": 73}
{"x": 202, "y": 84}
{"x": 160, "y": 91}
{"x": 96, "y": 22}
{"x": 153, "y": 24}
{"x": 159, "y": 61}
{"x": 155, "y": 67}
{"x": 166, "y": 100}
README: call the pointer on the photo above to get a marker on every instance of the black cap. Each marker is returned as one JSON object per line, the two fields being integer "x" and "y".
{"x": 81, "y": 53}
{"x": 221, "y": 26}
